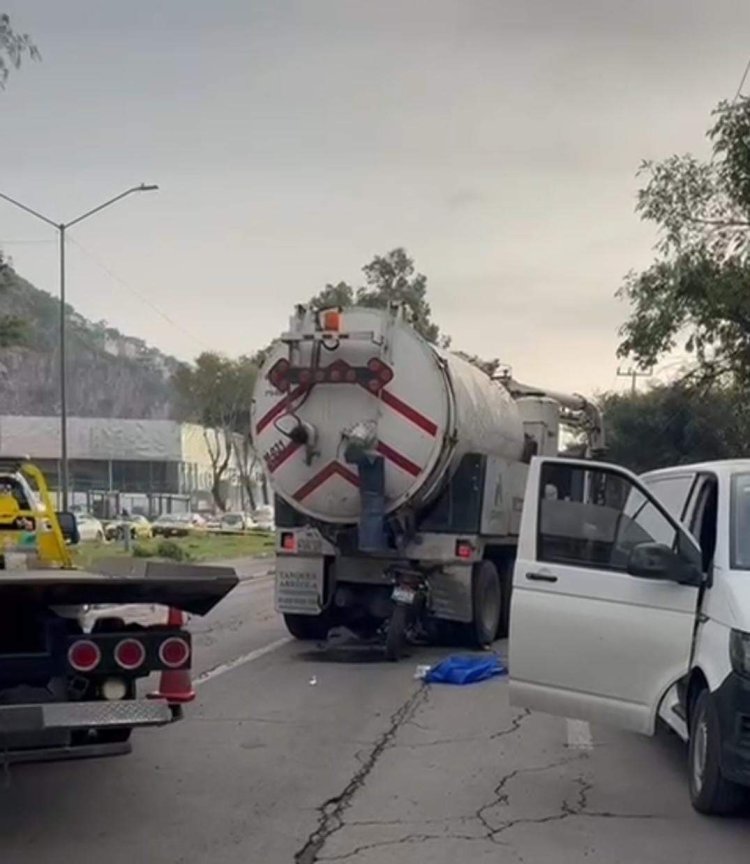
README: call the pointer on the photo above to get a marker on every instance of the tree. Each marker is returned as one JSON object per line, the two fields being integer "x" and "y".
{"x": 696, "y": 291}
{"x": 216, "y": 392}
{"x": 489, "y": 367}
{"x": 245, "y": 374}
{"x": 389, "y": 278}
{"x": 675, "y": 425}
{"x": 13, "y": 330}
{"x": 14, "y": 47}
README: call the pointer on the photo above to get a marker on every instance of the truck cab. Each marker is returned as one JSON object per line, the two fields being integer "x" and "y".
{"x": 631, "y": 605}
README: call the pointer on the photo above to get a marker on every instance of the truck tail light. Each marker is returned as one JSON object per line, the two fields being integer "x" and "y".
{"x": 279, "y": 375}
{"x": 130, "y": 654}
{"x": 84, "y": 655}
{"x": 332, "y": 320}
{"x": 174, "y": 652}
{"x": 464, "y": 549}
{"x": 288, "y": 541}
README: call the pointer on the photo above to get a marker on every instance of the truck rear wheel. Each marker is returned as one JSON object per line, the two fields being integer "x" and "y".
{"x": 486, "y": 603}
{"x": 307, "y": 627}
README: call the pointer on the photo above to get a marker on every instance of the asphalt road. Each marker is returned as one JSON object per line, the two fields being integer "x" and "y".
{"x": 290, "y": 755}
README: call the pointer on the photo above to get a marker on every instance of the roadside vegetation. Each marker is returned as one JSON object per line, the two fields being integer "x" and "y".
{"x": 212, "y": 547}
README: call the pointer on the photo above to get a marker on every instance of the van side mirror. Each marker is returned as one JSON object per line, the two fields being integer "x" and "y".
{"x": 658, "y": 561}
{"x": 69, "y": 527}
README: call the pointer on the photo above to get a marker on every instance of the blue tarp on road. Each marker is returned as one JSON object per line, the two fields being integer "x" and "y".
{"x": 465, "y": 670}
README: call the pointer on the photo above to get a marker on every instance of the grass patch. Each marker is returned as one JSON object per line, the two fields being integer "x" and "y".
{"x": 211, "y": 547}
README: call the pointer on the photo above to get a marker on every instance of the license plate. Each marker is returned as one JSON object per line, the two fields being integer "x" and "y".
{"x": 299, "y": 585}
{"x": 403, "y": 595}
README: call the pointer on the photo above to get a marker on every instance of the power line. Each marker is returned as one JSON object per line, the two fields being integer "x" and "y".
{"x": 742, "y": 82}
{"x": 140, "y": 295}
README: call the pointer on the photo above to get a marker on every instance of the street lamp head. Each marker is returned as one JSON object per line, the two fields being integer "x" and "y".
{"x": 148, "y": 187}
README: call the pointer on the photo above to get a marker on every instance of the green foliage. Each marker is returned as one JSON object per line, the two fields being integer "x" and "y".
{"x": 14, "y": 47}
{"x": 695, "y": 293}
{"x": 143, "y": 550}
{"x": 132, "y": 382}
{"x": 389, "y": 278}
{"x": 675, "y": 425}
{"x": 173, "y": 551}
{"x": 13, "y": 330}
{"x": 489, "y": 367}
{"x": 217, "y": 392}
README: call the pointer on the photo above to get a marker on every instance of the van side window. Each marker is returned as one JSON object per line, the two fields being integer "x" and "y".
{"x": 595, "y": 517}
{"x": 671, "y": 491}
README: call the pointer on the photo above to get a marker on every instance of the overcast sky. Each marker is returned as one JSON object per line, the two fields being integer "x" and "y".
{"x": 497, "y": 140}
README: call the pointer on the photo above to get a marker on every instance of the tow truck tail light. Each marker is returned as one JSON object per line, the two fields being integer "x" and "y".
{"x": 464, "y": 549}
{"x": 174, "y": 652}
{"x": 129, "y": 654}
{"x": 84, "y": 655}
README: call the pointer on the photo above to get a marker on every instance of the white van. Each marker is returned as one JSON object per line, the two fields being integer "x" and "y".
{"x": 631, "y": 602}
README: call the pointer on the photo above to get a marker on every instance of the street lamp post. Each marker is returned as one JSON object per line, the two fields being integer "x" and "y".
{"x": 61, "y": 228}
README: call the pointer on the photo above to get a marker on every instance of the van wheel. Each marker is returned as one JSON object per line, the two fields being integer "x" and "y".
{"x": 710, "y": 792}
{"x": 307, "y": 627}
{"x": 485, "y": 603}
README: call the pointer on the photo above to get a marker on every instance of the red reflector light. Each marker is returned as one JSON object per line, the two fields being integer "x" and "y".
{"x": 332, "y": 320}
{"x": 84, "y": 655}
{"x": 279, "y": 375}
{"x": 174, "y": 652}
{"x": 129, "y": 654}
{"x": 288, "y": 541}
{"x": 464, "y": 549}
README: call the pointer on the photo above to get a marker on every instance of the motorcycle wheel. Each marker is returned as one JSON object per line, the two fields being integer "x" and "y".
{"x": 395, "y": 638}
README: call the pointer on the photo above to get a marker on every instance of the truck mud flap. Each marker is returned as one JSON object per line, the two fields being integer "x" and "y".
{"x": 194, "y": 588}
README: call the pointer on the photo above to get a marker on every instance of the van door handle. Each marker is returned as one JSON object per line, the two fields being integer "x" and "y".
{"x": 541, "y": 577}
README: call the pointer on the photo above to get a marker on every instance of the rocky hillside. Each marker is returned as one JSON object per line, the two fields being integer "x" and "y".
{"x": 109, "y": 375}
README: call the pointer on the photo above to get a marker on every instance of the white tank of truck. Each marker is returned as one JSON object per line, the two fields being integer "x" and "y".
{"x": 363, "y": 381}
{"x": 399, "y": 471}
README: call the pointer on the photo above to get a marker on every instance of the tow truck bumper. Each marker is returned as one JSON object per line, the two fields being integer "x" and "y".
{"x": 42, "y": 732}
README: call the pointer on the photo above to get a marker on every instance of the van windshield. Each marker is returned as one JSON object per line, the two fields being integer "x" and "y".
{"x": 740, "y": 524}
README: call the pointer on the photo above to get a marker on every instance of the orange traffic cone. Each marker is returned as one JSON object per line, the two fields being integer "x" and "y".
{"x": 175, "y": 685}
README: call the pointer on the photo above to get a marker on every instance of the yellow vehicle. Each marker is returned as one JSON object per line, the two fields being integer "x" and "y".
{"x": 29, "y": 524}
{"x": 139, "y": 527}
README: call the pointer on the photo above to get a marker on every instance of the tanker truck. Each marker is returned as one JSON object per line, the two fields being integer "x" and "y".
{"x": 398, "y": 470}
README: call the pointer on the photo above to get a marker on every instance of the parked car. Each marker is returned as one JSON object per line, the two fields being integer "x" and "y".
{"x": 139, "y": 526}
{"x": 178, "y": 525}
{"x": 89, "y": 527}
{"x": 212, "y": 520}
{"x": 236, "y": 523}
{"x": 263, "y": 517}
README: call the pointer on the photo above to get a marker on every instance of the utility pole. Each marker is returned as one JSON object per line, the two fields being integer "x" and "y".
{"x": 634, "y": 375}
{"x": 61, "y": 228}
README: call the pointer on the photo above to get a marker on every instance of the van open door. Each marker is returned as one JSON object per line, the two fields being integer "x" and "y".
{"x": 605, "y": 592}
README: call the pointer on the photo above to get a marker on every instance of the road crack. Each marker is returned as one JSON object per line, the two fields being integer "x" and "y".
{"x": 331, "y": 812}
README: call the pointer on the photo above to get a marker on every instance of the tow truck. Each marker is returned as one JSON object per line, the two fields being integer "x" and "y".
{"x": 70, "y": 660}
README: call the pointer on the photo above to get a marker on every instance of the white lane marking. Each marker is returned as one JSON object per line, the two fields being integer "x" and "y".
{"x": 579, "y": 735}
{"x": 241, "y": 660}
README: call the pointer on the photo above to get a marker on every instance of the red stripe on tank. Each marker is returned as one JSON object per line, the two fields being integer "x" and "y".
{"x": 332, "y": 469}
{"x": 398, "y": 459}
{"x": 410, "y": 413}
